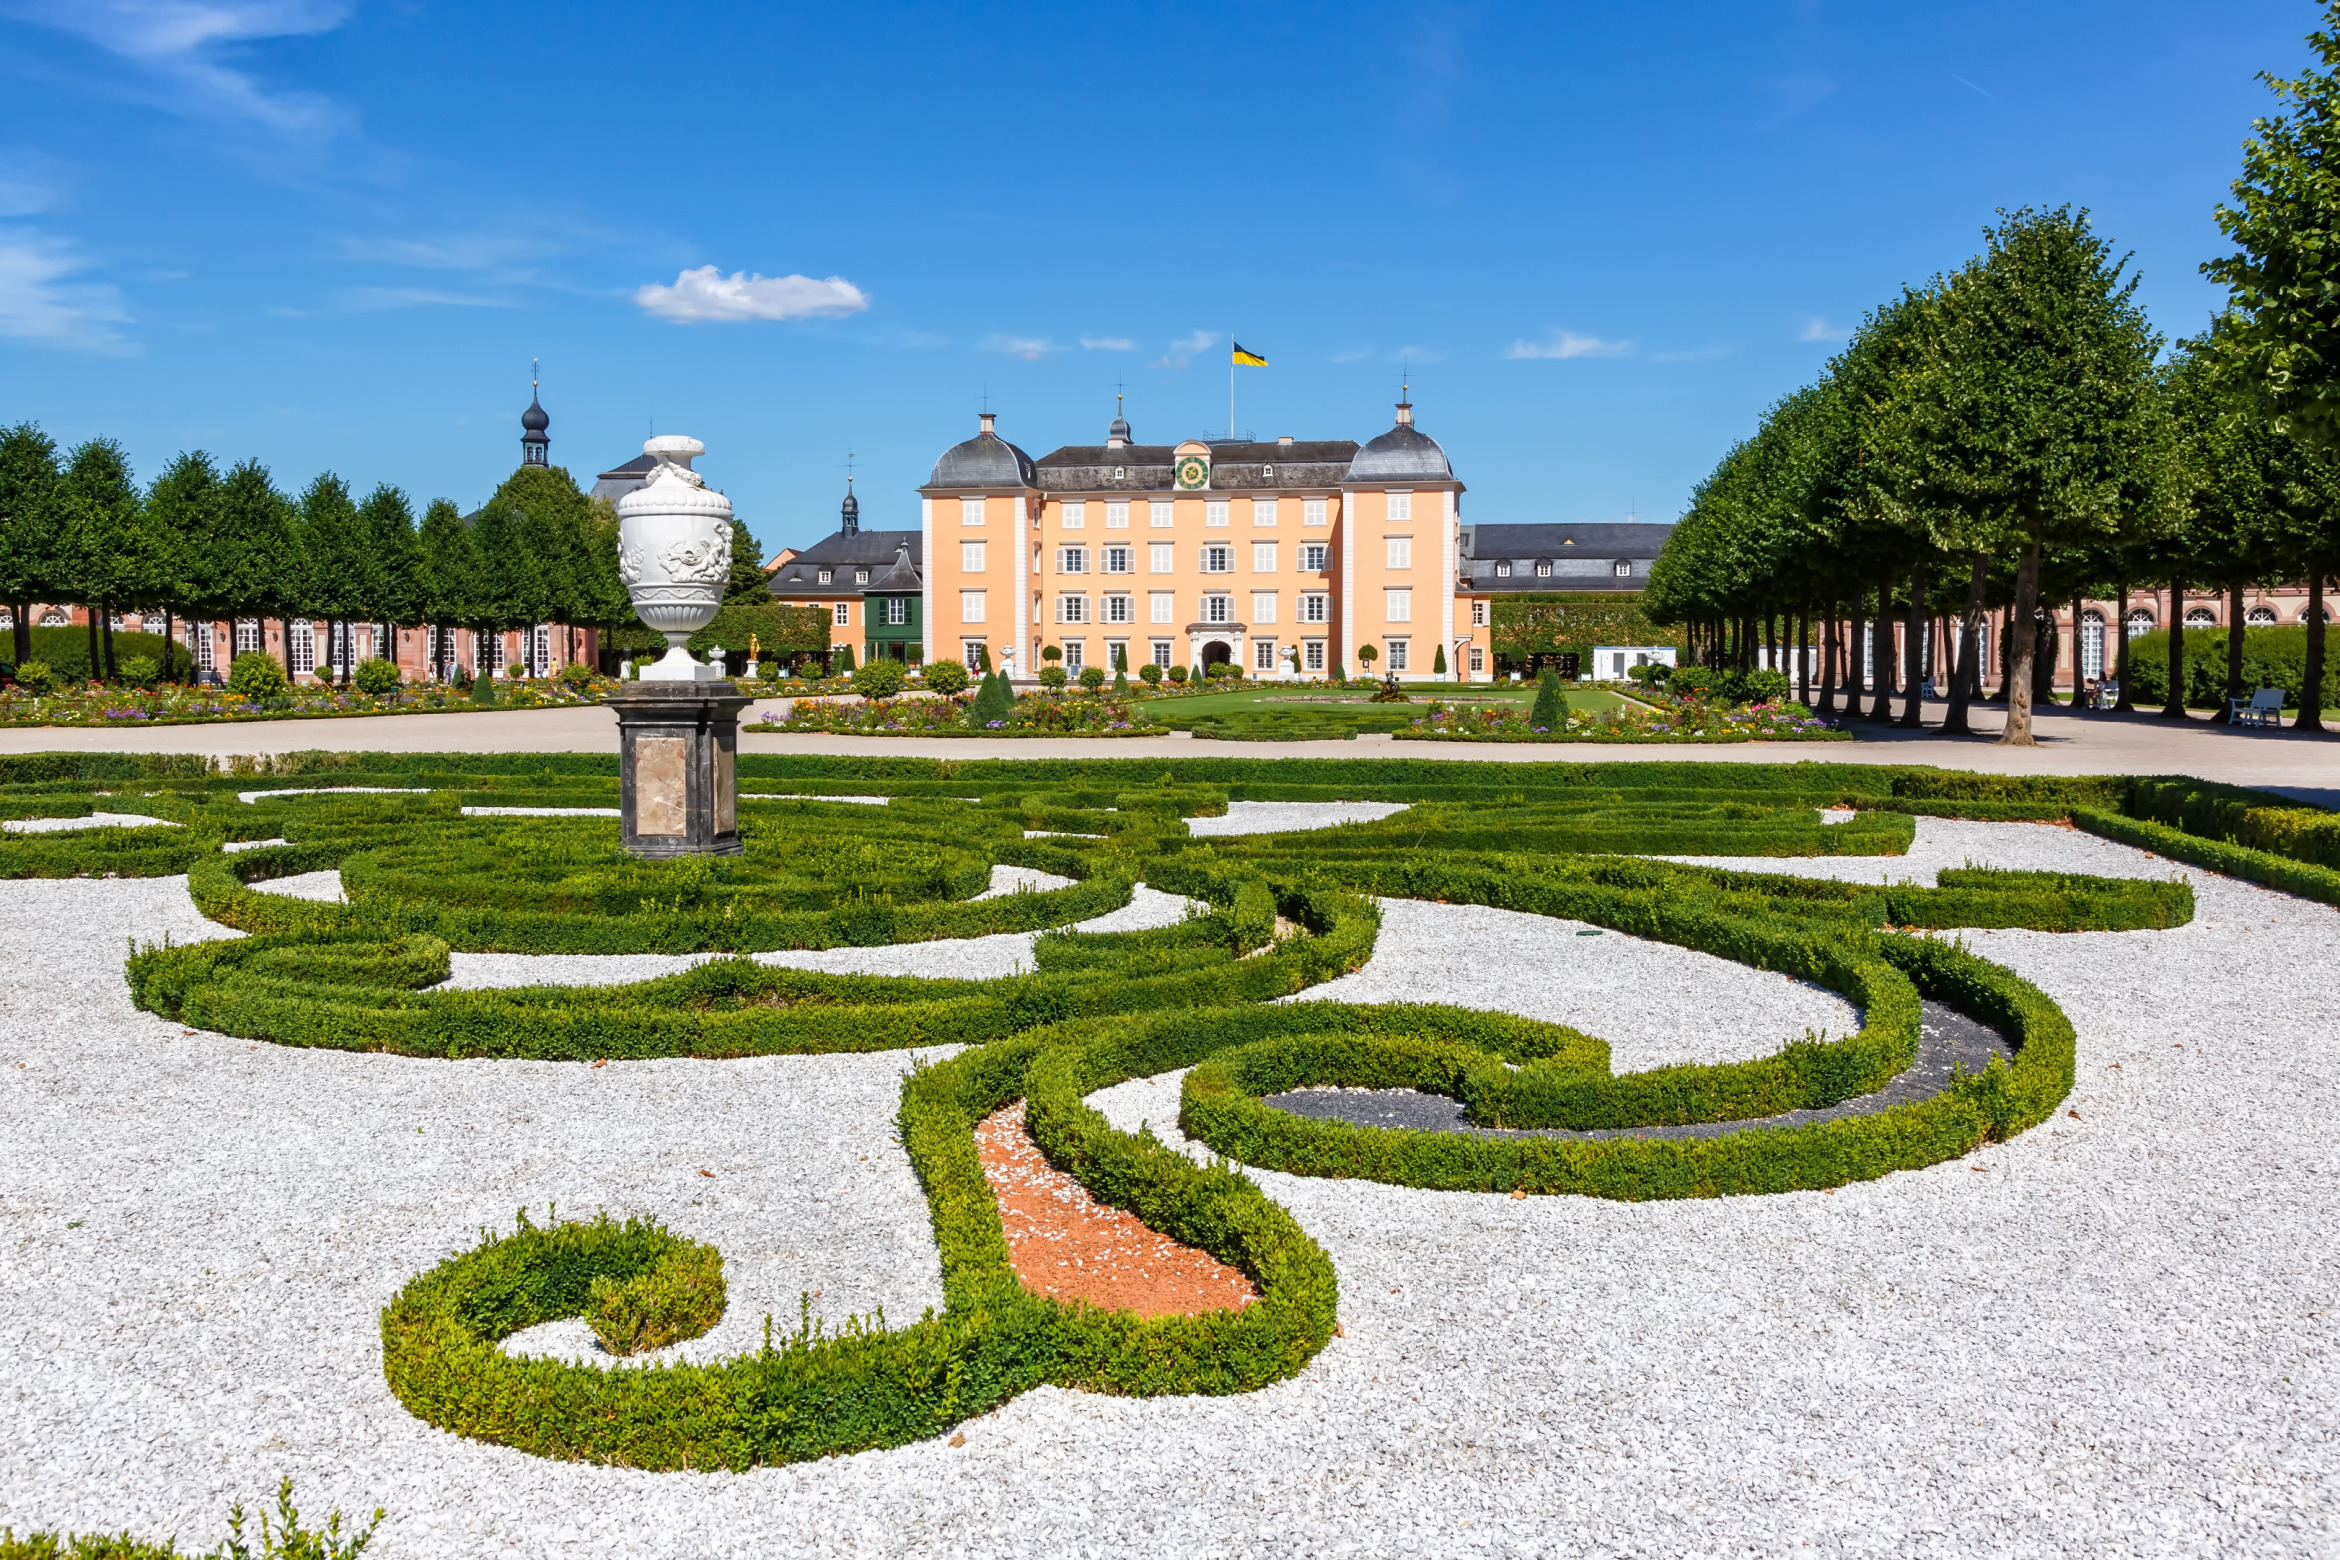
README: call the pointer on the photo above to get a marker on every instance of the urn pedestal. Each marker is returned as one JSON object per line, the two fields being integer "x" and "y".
{"x": 678, "y": 768}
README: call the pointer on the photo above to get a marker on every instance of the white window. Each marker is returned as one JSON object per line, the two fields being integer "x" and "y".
{"x": 1398, "y": 605}
{"x": 1263, "y": 511}
{"x": 970, "y": 606}
{"x": 1401, "y": 506}
{"x": 1312, "y": 655}
{"x": 971, "y": 653}
{"x": 1218, "y": 559}
{"x": 1117, "y": 609}
{"x": 827, "y": 575}
{"x": 1315, "y": 607}
{"x": 2257, "y": 617}
{"x": 1478, "y": 659}
{"x": 1312, "y": 557}
{"x": 1072, "y": 609}
{"x": 1117, "y": 560}
{"x": 1117, "y": 515}
{"x": 1543, "y": 568}
{"x": 971, "y": 557}
{"x": 1401, "y": 552}
{"x": 1624, "y": 568}
{"x": 970, "y": 513}
{"x": 1163, "y": 607}
{"x": 1076, "y": 653}
{"x": 1076, "y": 515}
{"x": 543, "y": 648}
{"x": 897, "y": 611}
{"x": 1161, "y": 649}
{"x": 2140, "y": 622}
{"x": 1263, "y": 557}
{"x": 1215, "y": 511}
{"x": 2201, "y": 617}
{"x": 2091, "y": 644}
{"x": 844, "y": 613}
{"x": 198, "y": 644}
{"x": 495, "y": 651}
{"x": 1478, "y": 614}
{"x": 1161, "y": 558}
{"x": 1162, "y": 514}
{"x": 1263, "y": 606}
{"x": 247, "y": 636}
{"x": 1397, "y": 656}
{"x": 1072, "y": 560}
{"x": 304, "y": 647}
{"x": 1263, "y": 655}
{"x": 1312, "y": 511}
{"x": 861, "y": 576}
{"x": 1218, "y": 609}
{"x": 1117, "y": 655}
{"x": 1503, "y": 569}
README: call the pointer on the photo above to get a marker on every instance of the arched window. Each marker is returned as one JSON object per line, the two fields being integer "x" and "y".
{"x": 55, "y": 617}
{"x": 2140, "y": 621}
{"x": 2260, "y": 617}
{"x": 2091, "y": 644}
{"x": 304, "y": 647}
{"x": 2201, "y": 617}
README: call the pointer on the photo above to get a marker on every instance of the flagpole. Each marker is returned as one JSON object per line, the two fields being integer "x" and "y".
{"x": 1230, "y": 389}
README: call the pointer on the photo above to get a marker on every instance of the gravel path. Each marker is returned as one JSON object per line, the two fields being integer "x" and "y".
{"x": 1277, "y": 817}
{"x": 2120, "y": 1340}
{"x": 95, "y": 820}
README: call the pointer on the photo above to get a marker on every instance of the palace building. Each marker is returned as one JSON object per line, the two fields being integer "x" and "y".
{"x": 1285, "y": 557}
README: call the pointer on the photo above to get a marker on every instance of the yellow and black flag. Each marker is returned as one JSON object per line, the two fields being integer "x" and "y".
{"x": 1247, "y": 358}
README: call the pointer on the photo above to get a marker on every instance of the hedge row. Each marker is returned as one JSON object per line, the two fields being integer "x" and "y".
{"x": 1221, "y": 1105}
{"x": 2265, "y": 868}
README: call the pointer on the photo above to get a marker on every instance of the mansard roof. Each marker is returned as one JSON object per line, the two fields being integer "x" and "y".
{"x": 1237, "y": 465}
{"x": 882, "y": 553}
{"x": 1582, "y": 557}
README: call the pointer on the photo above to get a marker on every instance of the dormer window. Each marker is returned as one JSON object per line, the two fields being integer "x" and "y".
{"x": 861, "y": 576}
{"x": 1624, "y": 568}
{"x": 826, "y": 576}
{"x": 1543, "y": 568}
{"x": 1267, "y": 473}
{"x": 1120, "y": 474}
{"x": 1503, "y": 570}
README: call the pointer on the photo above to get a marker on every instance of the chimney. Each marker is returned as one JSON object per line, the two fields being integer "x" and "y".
{"x": 986, "y": 420}
{"x": 1405, "y": 414}
{"x": 1283, "y": 441}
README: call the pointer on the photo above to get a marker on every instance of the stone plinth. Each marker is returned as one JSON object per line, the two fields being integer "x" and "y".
{"x": 678, "y": 768}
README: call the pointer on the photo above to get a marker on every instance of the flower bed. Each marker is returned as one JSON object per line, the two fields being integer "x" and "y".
{"x": 1675, "y": 720}
{"x": 1033, "y": 715}
{"x": 97, "y": 704}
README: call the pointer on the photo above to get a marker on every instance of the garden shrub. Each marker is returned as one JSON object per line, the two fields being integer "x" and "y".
{"x": 37, "y": 677}
{"x": 256, "y": 675}
{"x": 2273, "y": 657}
{"x": 580, "y": 677}
{"x": 1178, "y": 674}
{"x": 138, "y": 671}
{"x": 946, "y": 677}
{"x": 679, "y": 1295}
{"x": 1551, "y": 711}
{"x": 1150, "y": 675}
{"x": 882, "y": 678}
{"x": 482, "y": 689}
{"x": 376, "y": 676}
{"x": 1691, "y": 680}
{"x": 67, "y": 651}
{"x": 1052, "y": 676}
{"x": 1092, "y": 678}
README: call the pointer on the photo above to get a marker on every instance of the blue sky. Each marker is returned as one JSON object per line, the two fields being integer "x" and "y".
{"x": 332, "y": 233}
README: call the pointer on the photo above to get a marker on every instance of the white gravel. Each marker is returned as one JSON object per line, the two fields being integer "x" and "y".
{"x": 96, "y": 820}
{"x": 232, "y": 846}
{"x": 542, "y": 812}
{"x": 2120, "y": 1340}
{"x": 1278, "y": 817}
{"x": 324, "y": 887}
{"x": 248, "y": 797}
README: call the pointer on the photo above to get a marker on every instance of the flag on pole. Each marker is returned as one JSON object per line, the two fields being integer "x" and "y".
{"x": 1248, "y": 359}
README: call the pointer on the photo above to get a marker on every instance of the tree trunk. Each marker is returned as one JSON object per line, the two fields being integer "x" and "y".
{"x": 1804, "y": 656}
{"x": 1966, "y": 680}
{"x": 2311, "y": 696}
{"x": 1913, "y": 706}
{"x": 20, "y": 613}
{"x": 1830, "y": 627}
{"x": 2234, "y": 652}
{"x": 2022, "y": 649}
{"x": 2121, "y": 673}
{"x": 96, "y": 661}
{"x": 113, "y": 670}
{"x": 1881, "y": 700}
{"x": 287, "y": 625}
{"x": 170, "y": 652}
{"x": 2174, "y": 707}
{"x": 2079, "y": 663}
{"x": 1855, "y": 681}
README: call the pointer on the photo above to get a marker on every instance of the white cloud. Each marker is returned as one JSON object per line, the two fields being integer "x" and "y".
{"x": 1030, "y": 348}
{"x": 1186, "y": 349}
{"x": 1818, "y": 329}
{"x": 1353, "y": 355}
{"x": 190, "y": 49}
{"x": 29, "y": 183}
{"x": 1568, "y": 344}
{"x": 1108, "y": 344}
{"x": 368, "y": 300}
{"x": 706, "y": 296}
{"x": 39, "y": 301}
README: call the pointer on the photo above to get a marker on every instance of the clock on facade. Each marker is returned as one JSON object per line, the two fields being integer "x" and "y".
{"x": 1193, "y": 472}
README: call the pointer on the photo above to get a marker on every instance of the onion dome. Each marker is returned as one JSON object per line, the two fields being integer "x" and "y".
{"x": 985, "y": 461}
{"x": 1404, "y": 454}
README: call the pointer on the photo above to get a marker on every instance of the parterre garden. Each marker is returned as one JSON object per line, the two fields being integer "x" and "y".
{"x": 429, "y": 870}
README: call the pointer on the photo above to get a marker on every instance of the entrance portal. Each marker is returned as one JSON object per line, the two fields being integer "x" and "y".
{"x": 1216, "y": 653}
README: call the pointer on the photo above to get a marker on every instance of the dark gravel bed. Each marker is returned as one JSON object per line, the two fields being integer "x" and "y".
{"x": 1947, "y": 1040}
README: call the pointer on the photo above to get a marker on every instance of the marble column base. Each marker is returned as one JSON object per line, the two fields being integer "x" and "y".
{"x": 678, "y": 768}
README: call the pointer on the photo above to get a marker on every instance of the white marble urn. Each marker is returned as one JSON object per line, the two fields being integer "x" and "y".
{"x": 674, "y": 555}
